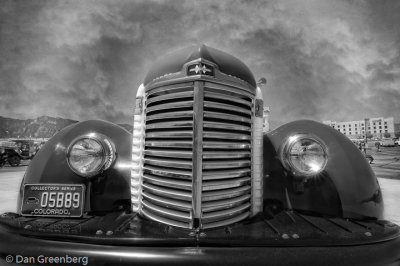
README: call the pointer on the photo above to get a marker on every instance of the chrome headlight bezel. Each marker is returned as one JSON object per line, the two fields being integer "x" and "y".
{"x": 287, "y": 155}
{"x": 108, "y": 154}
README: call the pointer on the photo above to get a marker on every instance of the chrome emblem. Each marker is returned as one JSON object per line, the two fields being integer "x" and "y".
{"x": 199, "y": 68}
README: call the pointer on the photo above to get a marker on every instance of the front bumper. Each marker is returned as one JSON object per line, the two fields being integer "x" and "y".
{"x": 124, "y": 239}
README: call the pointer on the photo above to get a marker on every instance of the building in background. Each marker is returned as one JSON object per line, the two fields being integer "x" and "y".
{"x": 265, "y": 119}
{"x": 356, "y": 129}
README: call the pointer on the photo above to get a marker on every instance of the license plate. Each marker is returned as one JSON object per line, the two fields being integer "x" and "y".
{"x": 53, "y": 200}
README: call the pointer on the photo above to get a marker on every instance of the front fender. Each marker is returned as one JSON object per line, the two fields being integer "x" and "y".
{"x": 104, "y": 192}
{"x": 347, "y": 187}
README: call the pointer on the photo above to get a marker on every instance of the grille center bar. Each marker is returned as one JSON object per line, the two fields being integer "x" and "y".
{"x": 197, "y": 152}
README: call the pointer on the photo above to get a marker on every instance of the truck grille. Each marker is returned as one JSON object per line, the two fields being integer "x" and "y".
{"x": 197, "y": 158}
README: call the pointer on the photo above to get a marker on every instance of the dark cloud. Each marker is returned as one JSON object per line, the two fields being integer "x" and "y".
{"x": 323, "y": 60}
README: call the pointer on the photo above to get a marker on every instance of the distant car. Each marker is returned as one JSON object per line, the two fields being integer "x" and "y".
{"x": 397, "y": 142}
{"x": 387, "y": 143}
{"x": 10, "y": 156}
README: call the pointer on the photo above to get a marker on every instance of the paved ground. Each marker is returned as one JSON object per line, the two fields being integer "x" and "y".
{"x": 386, "y": 163}
{"x": 386, "y": 166}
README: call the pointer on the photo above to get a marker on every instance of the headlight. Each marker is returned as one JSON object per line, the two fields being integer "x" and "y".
{"x": 91, "y": 154}
{"x": 304, "y": 155}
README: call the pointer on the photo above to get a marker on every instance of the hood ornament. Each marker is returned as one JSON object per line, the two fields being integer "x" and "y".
{"x": 200, "y": 68}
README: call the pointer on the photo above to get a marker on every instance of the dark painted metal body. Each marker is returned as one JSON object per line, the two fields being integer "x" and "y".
{"x": 289, "y": 238}
{"x": 346, "y": 188}
{"x": 105, "y": 192}
{"x": 332, "y": 218}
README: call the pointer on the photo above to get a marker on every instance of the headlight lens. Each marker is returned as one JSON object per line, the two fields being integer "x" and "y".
{"x": 87, "y": 156}
{"x": 304, "y": 155}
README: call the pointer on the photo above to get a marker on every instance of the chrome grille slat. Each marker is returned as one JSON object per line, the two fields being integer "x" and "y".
{"x": 226, "y": 213}
{"x": 168, "y": 162}
{"x": 169, "y": 144}
{"x": 224, "y": 204}
{"x": 210, "y": 96}
{"x": 223, "y": 135}
{"x": 227, "y": 221}
{"x": 171, "y": 125}
{"x": 212, "y": 164}
{"x": 227, "y": 107}
{"x": 228, "y": 91}
{"x": 164, "y": 220}
{"x": 171, "y": 96}
{"x": 167, "y": 106}
{"x": 224, "y": 194}
{"x": 171, "y": 183}
{"x": 225, "y": 155}
{"x": 167, "y": 192}
{"x": 172, "y": 114}
{"x": 168, "y": 212}
{"x": 225, "y": 183}
{"x": 225, "y": 126}
{"x": 215, "y": 115}
{"x": 170, "y": 134}
{"x": 165, "y": 202}
{"x": 213, "y": 144}
{"x": 173, "y": 88}
{"x": 168, "y": 172}
{"x": 168, "y": 153}
{"x": 222, "y": 174}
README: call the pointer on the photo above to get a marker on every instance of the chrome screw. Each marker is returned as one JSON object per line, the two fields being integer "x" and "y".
{"x": 295, "y": 236}
{"x": 285, "y": 236}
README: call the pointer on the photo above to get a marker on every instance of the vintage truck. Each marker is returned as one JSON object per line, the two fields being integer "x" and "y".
{"x": 198, "y": 182}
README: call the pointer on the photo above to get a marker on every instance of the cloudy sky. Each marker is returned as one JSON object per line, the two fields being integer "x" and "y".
{"x": 337, "y": 60}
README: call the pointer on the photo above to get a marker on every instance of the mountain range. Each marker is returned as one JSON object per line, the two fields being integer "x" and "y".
{"x": 41, "y": 127}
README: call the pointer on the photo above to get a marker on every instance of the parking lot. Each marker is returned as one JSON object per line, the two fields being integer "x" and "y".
{"x": 386, "y": 166}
